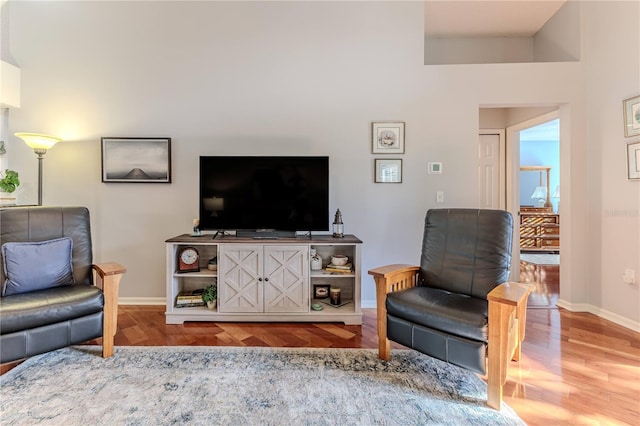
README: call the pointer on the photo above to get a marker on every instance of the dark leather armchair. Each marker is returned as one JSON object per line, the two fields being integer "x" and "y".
{"x": 45, "y": 319}
{"x": 458, "y": 305}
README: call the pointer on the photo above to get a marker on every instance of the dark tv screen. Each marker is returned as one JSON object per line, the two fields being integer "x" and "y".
{"x": 279, "y": 193}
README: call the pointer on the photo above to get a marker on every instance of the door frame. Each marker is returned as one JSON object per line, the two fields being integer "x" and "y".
{"x": 513, "y": 180}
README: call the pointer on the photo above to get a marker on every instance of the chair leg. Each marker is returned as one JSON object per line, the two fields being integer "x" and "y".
{"x": 110, "y": 289}
{"x": 499, "y": 315}
{"x": 384, "y": 346}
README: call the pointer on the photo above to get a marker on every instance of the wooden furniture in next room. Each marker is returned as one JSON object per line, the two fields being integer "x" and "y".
{"x": 539, "y": 229}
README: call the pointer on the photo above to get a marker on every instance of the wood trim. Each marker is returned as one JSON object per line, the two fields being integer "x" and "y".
{"x": 108, "y": 277}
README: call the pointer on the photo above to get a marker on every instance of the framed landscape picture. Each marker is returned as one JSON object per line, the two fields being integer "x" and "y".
{"x": 387, "y": 137}
{"x": 631, "y": 109}
{"x": 146, "y": 160}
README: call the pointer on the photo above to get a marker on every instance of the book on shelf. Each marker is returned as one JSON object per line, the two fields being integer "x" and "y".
{"x": 193, "y": 296}
{"x": 190, "y": 305}
{"x": 348, "y": 266}
{"x": 340, "y": 271}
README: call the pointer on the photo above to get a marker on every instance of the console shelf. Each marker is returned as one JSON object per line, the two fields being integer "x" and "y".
{"x": 264, "y": 280}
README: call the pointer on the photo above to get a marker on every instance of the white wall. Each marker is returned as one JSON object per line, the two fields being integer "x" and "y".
{"x": 302, "y": 78}
{"x": 612, "y": 74}
{"x": 559, "y": 38}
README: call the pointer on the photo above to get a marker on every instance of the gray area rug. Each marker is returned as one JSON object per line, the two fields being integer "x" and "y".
{"x": 243, "y": 386}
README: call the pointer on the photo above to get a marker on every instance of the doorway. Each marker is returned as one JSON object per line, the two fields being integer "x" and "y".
{"x": 537, "y": 188}
{"x": 530, "y": 137}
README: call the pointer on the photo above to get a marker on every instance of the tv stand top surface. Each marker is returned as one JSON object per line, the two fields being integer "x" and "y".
{"x": 299, "y": 239}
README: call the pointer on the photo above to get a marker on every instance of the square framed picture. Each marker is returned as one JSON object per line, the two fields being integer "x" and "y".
{"x": 321, "y": 291}
{"x": 146, "y": 160}
{"x": 388, "y": 170}
{"x": 387, "y": 137}
{"x": 631, "y": 108}
{"x": 633, "y": 161}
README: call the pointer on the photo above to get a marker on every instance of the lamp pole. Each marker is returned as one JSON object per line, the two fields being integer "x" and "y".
{"x": 40, "y": 152}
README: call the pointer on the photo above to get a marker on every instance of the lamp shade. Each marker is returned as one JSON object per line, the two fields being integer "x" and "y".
{"x": 540, "y": 192}
{"x": 38, "y": 141}
{"x": 556, "y": 193}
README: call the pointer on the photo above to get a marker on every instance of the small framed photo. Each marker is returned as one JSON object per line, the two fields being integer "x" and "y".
{"x": 631, "y": 108}
{"x": 388, "y": 170}
{"x": 633, "y": 160}
{"x": 146, "y": 160}
{"x": 321, "y": 291}
{"x": 387, "y": 137}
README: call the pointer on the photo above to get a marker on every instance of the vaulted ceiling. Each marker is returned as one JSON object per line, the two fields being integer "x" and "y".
{"x": 481, "y": 18}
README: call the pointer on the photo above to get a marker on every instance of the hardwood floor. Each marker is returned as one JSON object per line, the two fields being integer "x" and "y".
{"x": 576, "y": 368}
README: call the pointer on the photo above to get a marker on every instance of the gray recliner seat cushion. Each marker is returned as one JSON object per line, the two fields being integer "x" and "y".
{"x": 441, "y": 310}
{"x": 34, "y": 309}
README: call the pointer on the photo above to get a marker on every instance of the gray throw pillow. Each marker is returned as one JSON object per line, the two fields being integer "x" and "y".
{"x": 36, "y": 266}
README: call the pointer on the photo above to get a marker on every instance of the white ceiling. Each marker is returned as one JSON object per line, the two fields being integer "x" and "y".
{"x": 481, "y": 18}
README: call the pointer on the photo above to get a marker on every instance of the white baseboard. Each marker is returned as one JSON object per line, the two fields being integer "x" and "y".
{"x": 142, "y": 301}
{"x": 602, "y": 313}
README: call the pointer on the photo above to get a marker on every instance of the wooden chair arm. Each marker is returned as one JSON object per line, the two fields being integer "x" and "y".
{"x": 109, "y": 268}
{"x": 511, "y": 293}
{"x": 108, "y": 277}
{"x": 394, "y": 277}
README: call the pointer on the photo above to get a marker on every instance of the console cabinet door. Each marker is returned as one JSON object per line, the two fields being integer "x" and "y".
{"x": 240, "y": 278}
{"x": 286, "y": 278}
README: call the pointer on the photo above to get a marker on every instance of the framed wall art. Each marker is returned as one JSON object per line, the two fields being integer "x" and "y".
{"x": 146, "y": 160}
{"x": 387, "y": 137}
{"x": 631, "y": 109}
{"x": 388, "y": 170}
{"x": 633, "y": 160}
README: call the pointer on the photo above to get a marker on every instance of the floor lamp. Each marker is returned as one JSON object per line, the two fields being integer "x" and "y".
{"x": 40, "y": 145}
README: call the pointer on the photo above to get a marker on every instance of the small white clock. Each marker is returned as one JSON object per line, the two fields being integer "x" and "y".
{"x": 188, "y": 260}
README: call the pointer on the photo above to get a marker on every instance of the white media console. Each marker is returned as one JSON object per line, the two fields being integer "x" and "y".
{"x": 265, "y": 280}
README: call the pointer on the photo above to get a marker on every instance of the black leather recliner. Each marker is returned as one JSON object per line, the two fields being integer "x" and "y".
{"x": 457, "y": 305}
{"x": 39, "y": 321}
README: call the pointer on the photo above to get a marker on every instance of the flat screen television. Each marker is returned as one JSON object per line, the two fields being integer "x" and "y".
{"x": 264, "y": 193}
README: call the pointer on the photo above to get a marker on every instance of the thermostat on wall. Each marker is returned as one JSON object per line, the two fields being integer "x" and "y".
{"x": 434, "y": 168}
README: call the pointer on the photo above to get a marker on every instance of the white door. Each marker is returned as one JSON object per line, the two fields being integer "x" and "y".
{"x": 240, "y": 278}
{"x": 286, "y": 278}
{"x": 491, "y": 170}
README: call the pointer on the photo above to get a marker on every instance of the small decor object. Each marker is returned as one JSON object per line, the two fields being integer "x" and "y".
{"x": 9, "y": 181}
{"x": 338, "y": 226}
{"x": 321, "y": 291}
{"x": 316, "y": 260}
{"x": 631, "y": 108}
{"x": 388, "y": 137}
{"x": 188, "y": 260}
{"x": 212, "y": 265}
{"x": 317, "y": 306}
{"x": 334, "y": 295}
{"x": 210, "y": 296}
{"x": 196, "y": 228}
{"x": 339, "y": 260}
{"x": 388, "y": 170}
{"x": 633, "y": 160}
{"x": 146, "y": 160}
